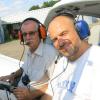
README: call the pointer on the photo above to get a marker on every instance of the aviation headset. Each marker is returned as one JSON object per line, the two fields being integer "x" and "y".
{"x": 41, "y": 29}
{"x": 81, "y": 26}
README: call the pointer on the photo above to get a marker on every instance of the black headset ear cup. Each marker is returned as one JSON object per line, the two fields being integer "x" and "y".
{"x": 42, "y": 31}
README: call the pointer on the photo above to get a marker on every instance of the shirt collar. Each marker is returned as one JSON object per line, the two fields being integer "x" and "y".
{"x": 38, "y": 51}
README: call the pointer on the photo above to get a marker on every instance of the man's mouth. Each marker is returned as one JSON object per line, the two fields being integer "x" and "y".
{"x": 65, "y": 46}
{"x": 27, "y": 42}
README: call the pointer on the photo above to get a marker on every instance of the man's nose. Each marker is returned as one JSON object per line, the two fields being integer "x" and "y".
{"x": 60, "y": 42}
{"x": 27, "y": 36}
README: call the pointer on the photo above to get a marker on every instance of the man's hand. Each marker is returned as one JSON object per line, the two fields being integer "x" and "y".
{"x": 22, "y": 93}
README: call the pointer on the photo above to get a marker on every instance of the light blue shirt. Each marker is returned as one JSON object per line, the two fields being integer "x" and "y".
{"x": 39, "y": 63}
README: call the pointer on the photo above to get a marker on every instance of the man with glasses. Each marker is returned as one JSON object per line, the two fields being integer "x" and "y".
{"x": 38, "y": 65}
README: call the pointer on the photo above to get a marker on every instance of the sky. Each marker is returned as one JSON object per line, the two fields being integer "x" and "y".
{"x": 8, "y": 7}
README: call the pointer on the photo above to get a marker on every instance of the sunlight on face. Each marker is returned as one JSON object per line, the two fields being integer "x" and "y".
{"x": 64, "y": 36}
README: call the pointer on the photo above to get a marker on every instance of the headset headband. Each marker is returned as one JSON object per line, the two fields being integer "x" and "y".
{"x": 66, "y": 13}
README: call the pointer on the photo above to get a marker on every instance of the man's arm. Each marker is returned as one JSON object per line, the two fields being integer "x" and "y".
{"x": 46, "y": 97}
{"x": 18, "y": 73}
{"x": 12, "y": 76}
{"x": 39, "y": 90}
{"x": 30, "y": 93}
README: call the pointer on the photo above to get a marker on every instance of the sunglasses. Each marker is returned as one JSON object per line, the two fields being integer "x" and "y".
{"x": 31, "y": 33}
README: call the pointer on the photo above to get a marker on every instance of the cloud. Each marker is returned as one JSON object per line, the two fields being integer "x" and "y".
{"x": 8, "y": 7}
{"x": 13, "y": 6}
{"x": 3, "y": 7}
{"x": 17, "y": 2}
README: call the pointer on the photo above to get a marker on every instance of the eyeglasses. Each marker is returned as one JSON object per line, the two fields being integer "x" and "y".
{"x": 31, "y": 33}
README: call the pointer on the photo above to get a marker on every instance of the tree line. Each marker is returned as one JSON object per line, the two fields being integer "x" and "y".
{"x": 45, "y": 5}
